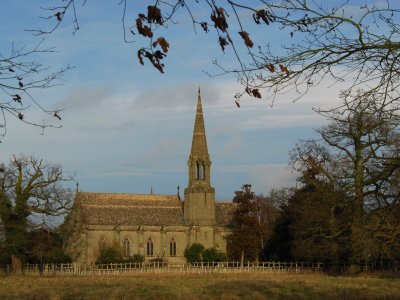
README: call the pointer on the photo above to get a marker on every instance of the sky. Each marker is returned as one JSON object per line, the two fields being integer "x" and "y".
{"x": 126, "y": 128}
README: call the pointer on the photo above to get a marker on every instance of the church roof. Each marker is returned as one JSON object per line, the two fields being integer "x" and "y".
{"x": 139, "y": 209}
{"x": 129, "y": 209}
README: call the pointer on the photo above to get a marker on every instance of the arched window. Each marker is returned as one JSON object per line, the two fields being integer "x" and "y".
{"x": 202, "y": 171}
{"x": 127, "y": 248}
{"x": 149, "y": 247}
{"x": 197, "y": 171}
{"x": 172, "y": 248}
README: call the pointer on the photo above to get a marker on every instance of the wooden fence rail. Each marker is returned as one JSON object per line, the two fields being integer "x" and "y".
{"x": 196, "y": 268}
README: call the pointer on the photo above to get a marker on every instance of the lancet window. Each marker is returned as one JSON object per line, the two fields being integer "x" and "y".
{"x": 200, "y": 171}
{"x": 127, "y": 248}
{"x": 149, "y": 247}
{"x": 172, "y": 248}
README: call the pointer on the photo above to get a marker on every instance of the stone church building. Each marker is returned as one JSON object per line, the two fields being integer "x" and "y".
{"x": 155, "y": 226}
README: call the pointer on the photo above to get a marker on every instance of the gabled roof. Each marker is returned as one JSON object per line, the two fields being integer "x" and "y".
{"x": 129, "y": 209}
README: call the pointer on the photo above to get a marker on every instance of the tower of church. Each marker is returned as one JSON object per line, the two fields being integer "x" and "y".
{"x": 199, "y": 205}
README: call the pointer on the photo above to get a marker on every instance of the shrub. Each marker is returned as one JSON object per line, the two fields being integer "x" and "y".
{"x": 213, "y": 255}
{"x": 109, "y": 255}
{"x": 193, "y": 253}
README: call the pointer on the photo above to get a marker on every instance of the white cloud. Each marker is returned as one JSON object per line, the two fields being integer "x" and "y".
{"x": 271, "y": 176}
{"x": 83, "y": 99}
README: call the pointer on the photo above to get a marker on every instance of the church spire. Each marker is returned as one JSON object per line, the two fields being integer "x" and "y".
{"x": 199, "y": 141}
{"x": 199, "y": 204}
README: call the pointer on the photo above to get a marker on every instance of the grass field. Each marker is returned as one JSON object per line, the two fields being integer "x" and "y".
{"x": 229, "y": 286}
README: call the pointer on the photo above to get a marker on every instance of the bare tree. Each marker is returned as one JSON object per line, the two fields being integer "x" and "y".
{"x": 20, "y": 75}
{"x": 319, "y": 209}
{"x": 358, "y": 156}
{"x": 30, "y": 191}
{"x": 320, "y": 40}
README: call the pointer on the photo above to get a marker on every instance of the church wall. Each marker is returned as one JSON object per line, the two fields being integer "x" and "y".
{"x": 199, "y": 206}
{"x": 138, "y": 237}
{"x": 97, "y": 237}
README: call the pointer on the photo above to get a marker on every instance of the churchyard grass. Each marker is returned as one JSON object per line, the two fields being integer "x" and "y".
{"x": 192, "y": 286}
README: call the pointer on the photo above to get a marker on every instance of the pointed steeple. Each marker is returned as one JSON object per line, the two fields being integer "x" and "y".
{"x": 199, "y": 204}
{"x": 199, "y": 141}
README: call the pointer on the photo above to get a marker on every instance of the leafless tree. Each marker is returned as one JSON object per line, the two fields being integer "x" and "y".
{"x": 357, "y": 155}
{"x": 20, "y": 75}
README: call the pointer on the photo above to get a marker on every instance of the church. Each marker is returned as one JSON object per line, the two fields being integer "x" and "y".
{"x": 154, "y": 226}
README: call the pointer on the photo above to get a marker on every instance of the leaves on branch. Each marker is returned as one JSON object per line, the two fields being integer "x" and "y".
{"x": 20, "y": 116}
{"x": 143, "y": 30}
{"x": 11, "y": 70}
{"x": 253, "y": 92}
{"x": 263, "y": 15}
{"x": 223, "y": 42}
{"x": 58, "y": 15}
{"x": 154, "y": 15}
{"x": 163, "y": 44}
{"x": 237, "y": 103}
{"x": 155, "y": 58}
{"x": 17, "y": 98}
{"x": 218, "y": 17}
{"x": 256, "y": 93}
{"x": 246, "y": 38}
{"x": 270, "y": 67}
{"x": 204, "y": 25}
{"x": 21, "y": 84}
{"x": 284, "y": 69}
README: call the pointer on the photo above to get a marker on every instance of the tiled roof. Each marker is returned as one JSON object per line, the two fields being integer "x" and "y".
{"x": 130, "y": 209}
{"x": 224, "y": 212}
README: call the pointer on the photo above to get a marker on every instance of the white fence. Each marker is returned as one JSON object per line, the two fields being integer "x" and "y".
{"x": 159, "y": 267}
{"x": 197, "y": 268}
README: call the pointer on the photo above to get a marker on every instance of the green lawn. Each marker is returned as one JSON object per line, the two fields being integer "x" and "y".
{"x": 228, "y": 286}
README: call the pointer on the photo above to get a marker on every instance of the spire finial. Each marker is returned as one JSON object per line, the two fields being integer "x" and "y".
{"x": 199, "y": 91}
{"x": 178, "y": 188}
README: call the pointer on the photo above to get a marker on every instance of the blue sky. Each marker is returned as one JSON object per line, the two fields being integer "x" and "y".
{"x": 126, "y": 127}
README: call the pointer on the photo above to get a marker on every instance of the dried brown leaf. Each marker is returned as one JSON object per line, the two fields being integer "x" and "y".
{"x": 223, "y": 43}
{"x": 143, "y": 30}
{"x": 218, "y": 17}
{"x": 163, "y": 44}
{"x": 270, "y": 67}
{"x": 284, "y": 69}
{"x": 154, "y": 15}
{"x": 256, "y": 93}
{"x": 246, "y": 38}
